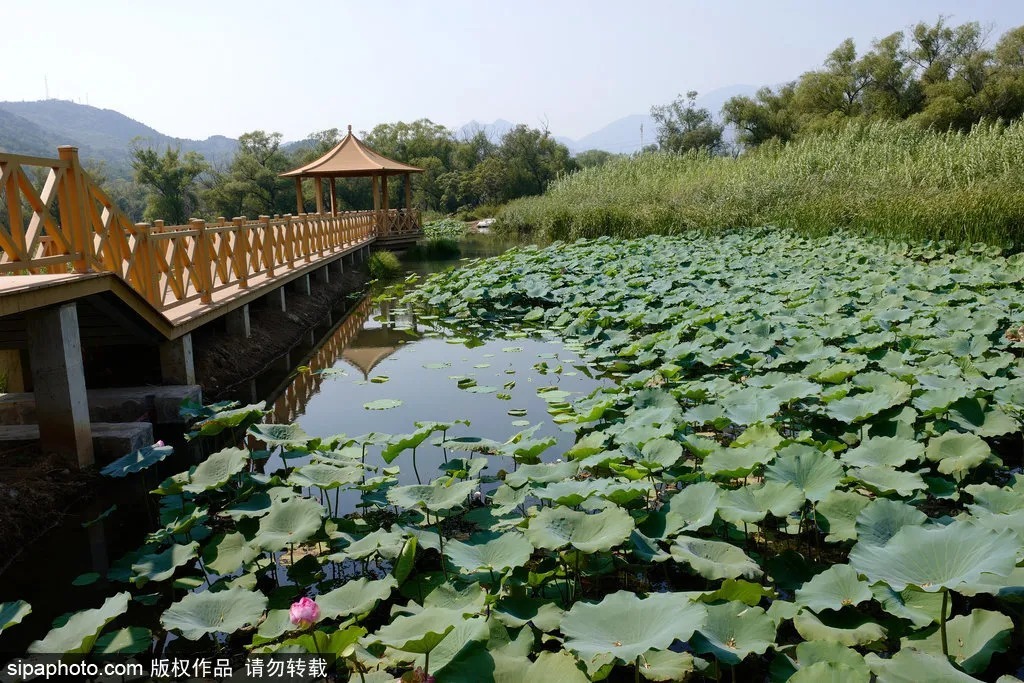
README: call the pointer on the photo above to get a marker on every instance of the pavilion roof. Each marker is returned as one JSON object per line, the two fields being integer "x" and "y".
{"x": 351, "y": 158}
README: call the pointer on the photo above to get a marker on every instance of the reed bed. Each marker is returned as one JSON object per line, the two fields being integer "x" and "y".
{"x": 885, "y": 178}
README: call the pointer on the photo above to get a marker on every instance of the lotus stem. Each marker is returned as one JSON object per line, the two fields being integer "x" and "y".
{"x": 414, "y": 466}
{"x": 426, "y": 663}
{"x": 636, "y": 670}
{"x": 942, "y": 622}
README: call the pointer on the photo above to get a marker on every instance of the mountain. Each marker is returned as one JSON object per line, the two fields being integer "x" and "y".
{"x": 102, "y": 135}
{"x": 623, "y": 135}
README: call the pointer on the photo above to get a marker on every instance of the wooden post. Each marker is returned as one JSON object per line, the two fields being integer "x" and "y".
{"x": 334, "y": 196}
{"x": 58, "y": 379}
{"x": 319, "y": 195}
{"x": 71, "y": 202}
{"x": 384, "y": 193}
{"x": 268, "y": 245}
{"x": 150, "y": 273}
{"x": 299, "y": 208}
{"x": 408, "y": 191}
{"x": 203, "y": 261}
{"x": 241, "y": 260}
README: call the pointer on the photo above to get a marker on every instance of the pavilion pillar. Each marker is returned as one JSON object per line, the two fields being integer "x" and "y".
{"x": 376, "y": 193}
{"x": 334, "y": 196}
{"x": 384, "y": 193}
{"x": 319, "y": 195}
{"x": 298, "y": 196}
{"x": 408, "y": 191}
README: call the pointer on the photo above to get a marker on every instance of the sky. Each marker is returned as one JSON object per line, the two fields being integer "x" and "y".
{"x": 222, "y": 67}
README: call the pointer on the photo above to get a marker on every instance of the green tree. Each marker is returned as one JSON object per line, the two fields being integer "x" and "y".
{"x": 683, "y": 126}
{"x": 417, "y": 140}
{"x": 170, "y": 183}
{"x": 532, "y": 159}
{"x": 593, "y": 157}
{"x": 768, "y": 116}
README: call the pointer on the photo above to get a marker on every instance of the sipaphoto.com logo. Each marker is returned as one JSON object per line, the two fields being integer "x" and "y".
{"x": 24, "y": 670}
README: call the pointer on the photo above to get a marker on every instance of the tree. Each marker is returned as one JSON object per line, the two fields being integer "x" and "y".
{"x": 769, "y": 116}
{"x": 170, "y": 183}
{"x": 683, "y": 126}
{"x": 532, "y": 159}
{"x": 593, "y": 157}
{"x": 406, "y": 141}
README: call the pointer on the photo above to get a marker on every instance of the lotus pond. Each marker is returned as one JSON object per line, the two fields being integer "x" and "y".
{"x": 754, "y": 457}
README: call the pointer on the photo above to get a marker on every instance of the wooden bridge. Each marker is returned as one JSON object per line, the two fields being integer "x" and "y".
{"x": 75, "y": 270}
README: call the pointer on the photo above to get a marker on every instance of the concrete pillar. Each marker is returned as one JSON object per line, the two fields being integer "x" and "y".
{"x": 238, "y": 322}
{"x": 58, "y": 375}
{"x": 12, "y": 370}
{"x": 302, "y": 285}
{"x": 322, "y": 276}
{"x": 177, "y": 364}
{"x": 277, "y": 300}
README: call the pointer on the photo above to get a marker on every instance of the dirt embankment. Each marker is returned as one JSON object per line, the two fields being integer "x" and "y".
{"x": 225, "y": 361}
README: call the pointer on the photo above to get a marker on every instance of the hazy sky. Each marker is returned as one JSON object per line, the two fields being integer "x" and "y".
{"x": 194, "y": 69}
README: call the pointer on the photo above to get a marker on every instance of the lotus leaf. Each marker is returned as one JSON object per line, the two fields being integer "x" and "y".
{"x": 382, "y": 404}
{"x": 837, "y": 514}
{"x": 217, "y": 470}
{"x": 324, "y": 476}
{"x": 556, "y": 528}
{"x": 734, "y": 630}
{"x": 846, "y": 628}
{"x": 435, "y": 497}
{"x": 666, "y": 665}
{"x": 12, "y": 613}
{"x": 817, "y": 652}
{"x": 197, "y": 614}
{"x": 883, "y": 451}
{"x": 933, "y": 558}
{"x": 834, "y": 588}
{"x": 626, "y": 626}
{"x": 356, "y": 597}
{"x": 137, "y": 461}
{"x": 881, "y": 519}
{"x": 292, "y": 521}
{"x": 958, "y": 453}
{"x": 973, "y": 639}
{"x": 161, "y": 566}
{"x": 913, "y": 666}
{"x": 506, "y": 551}
{"x": 691, "y": 509}
{"x": 127, "y": 641}
{"x": 79, "y": 633}
{"x": 813, "y": 472}
{"x": 420, "y": 632}
{"x": 714, "y": 559}
{"x": 280, "y": 435}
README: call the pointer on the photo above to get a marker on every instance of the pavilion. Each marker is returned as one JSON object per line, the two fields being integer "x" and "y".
{"x": 351, "y": 158}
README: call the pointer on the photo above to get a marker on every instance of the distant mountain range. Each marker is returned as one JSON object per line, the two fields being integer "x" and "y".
{"x": 622, "y": 136}
{"x": 104, "y": 135}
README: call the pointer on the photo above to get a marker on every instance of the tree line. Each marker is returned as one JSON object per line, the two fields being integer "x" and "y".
{"x": 938, "y": 76}
{"x": 459, "y": 173}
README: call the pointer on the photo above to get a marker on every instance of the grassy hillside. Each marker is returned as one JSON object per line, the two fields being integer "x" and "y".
{"x": 100, "y": 134}
{"x": 890, "y": 179}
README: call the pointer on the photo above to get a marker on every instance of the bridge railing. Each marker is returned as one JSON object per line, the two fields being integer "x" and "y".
{"x": 71, "y": 225}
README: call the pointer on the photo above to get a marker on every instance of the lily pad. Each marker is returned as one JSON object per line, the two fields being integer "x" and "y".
{"x": 556, "y": 528}
{"x": 79, "y": 633}
{"x": 382, "y": 404}
{"x": 198, "y": 614}
{"x": 625, "y": 626}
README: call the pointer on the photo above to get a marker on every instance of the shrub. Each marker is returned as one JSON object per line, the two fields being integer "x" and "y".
{"x": 384, "y": 264}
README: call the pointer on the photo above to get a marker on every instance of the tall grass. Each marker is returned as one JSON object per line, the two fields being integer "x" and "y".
{"x": 885, "y": 178}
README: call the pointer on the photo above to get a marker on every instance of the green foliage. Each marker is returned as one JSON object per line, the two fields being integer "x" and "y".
{"x": 889, "y": 179}
{"x": 937, "y": 76}
{"x": 384, "y": 264}
{"x": 685, "y": 127}
{"x": 170, "y": 182}
{"x": 434, "y": 249}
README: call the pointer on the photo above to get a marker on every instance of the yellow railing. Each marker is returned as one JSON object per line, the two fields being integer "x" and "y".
{"x": 71, "y": 225}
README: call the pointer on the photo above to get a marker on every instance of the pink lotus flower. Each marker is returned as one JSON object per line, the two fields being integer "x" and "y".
{"x": 304, "y": 613}
{"x": 160, "y": 444}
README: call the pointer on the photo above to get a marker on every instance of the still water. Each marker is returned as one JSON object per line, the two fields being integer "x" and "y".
{"x": 371, "y": 351}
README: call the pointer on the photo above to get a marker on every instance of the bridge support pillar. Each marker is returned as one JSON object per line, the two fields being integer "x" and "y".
{"x": 58, "y": 377}
{"x": 238, "y": 322}
{"x": 277, "y": 300}
{"x": 338, "y": 265}
{"x": 322, "y": 275}
{"x": 177, "y": 364}
{"x": 302, "y": 285}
